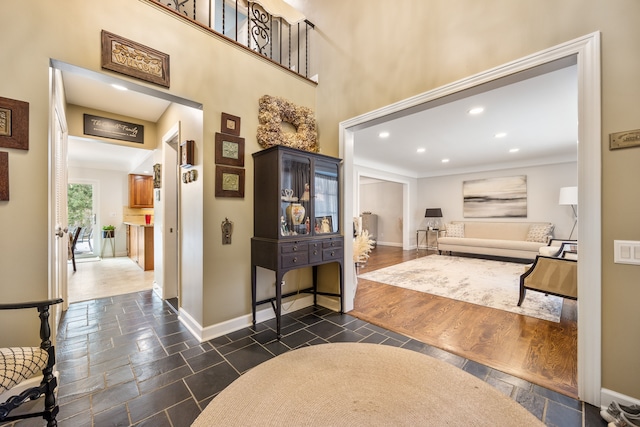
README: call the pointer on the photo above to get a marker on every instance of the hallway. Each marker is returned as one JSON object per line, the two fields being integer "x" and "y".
{"x": 104, "y": 277}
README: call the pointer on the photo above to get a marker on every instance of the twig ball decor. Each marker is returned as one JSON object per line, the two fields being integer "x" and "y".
{"x": 273, "y": 112}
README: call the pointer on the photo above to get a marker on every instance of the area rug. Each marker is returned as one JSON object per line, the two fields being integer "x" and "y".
{"x": 489, "y": 283}
{"x": 355, "y": 384}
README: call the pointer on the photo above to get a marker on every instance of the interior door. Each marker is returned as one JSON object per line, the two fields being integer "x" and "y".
{"x": 58, "y": 237}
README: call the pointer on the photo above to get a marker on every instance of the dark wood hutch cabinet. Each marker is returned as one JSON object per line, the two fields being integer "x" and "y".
{"x": 296, "y": 218}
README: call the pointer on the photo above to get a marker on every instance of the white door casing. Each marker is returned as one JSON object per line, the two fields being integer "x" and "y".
{"x": 58, "y": 236}
{"x": 586, "y": 49}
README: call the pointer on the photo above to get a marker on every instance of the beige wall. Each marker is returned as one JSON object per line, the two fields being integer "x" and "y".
{"x": 364, "y": 62}
{"x": 217, "y": 74}
{"x": 374, "y": 53}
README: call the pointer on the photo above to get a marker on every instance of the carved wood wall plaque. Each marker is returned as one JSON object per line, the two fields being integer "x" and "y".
{"x": 626, "y": 139}
{"x": 135, "y": 60}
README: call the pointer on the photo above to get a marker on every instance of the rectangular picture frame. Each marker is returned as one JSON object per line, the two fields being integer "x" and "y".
{"x": 318, "y": 224}
{"x": 230, "y": 124}
{"x": 501, "y": 197}
{"x": 4, "y": 176}
{"x": 133, "y": 59}
{"x": 229, "y": 150}
{"x": 187, "y": 154}
{"x": 229, "y": 182}
{"x": 14, "y": 124}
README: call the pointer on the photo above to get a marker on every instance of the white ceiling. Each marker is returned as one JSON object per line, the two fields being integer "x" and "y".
{"x": 538, "y": 114}
{"x": 86, "y": 91}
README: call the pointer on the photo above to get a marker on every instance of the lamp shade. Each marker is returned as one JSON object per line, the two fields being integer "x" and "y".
{"x": 568, "y": 196}
{"x": 433, "y": 213}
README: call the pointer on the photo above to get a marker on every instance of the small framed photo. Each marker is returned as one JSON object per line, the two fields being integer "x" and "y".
{"x": 229, "y": 182}
{"x": 230, "y": 124}
{"x": 186, "y": 154}
{"x": 229, "y": 150}
{"x": 14, "y": 124}
{"x": 4, "y": 176}
{"x": 323, "y": 224}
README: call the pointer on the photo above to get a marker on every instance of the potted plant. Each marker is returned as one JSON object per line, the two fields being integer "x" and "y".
{"x": 108, "y": 231}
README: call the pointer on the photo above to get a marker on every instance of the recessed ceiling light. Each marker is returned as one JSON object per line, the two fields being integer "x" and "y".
{"x": 514, "y": 150}
{"x": 445, "y": 160}
{"x": 383, "y": 134}
{"x": 476, "y": 110}
{"x": 500, "y": 134}
{"x": 119, "y": 87}
{"x": 421, "y": 150}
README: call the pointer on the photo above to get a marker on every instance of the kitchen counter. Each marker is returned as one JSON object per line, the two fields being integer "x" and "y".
{"x": 140, "y": 244}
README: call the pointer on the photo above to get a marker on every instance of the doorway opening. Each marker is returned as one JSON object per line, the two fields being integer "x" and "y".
{"x": 83, "y": 90}
{"x": 586, "y": 51}
{"x": 81, "y": 214}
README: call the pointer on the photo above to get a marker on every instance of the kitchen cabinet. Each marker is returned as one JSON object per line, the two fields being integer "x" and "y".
{"x": 140, "y": 191}
{"x": 140, "y": 245}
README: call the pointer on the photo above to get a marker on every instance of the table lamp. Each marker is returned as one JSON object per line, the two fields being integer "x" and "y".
{"x": 434, "y": 215}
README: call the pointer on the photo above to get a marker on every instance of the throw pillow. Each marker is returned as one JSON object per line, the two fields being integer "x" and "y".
{"x": 455, "y": 230}
{"x": 539, "y": 232}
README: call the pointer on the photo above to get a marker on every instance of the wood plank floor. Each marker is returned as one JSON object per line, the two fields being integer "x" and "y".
{"x": 539, "y": 351}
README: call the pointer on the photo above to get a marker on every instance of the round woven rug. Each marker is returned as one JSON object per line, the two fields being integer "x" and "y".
{"x": 361, "y": 384}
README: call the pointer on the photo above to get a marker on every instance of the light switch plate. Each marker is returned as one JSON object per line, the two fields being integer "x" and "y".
{"x": 626, "y": 252}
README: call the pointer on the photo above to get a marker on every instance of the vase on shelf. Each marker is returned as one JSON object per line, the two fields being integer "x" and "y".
{"x": 295, "y": 213}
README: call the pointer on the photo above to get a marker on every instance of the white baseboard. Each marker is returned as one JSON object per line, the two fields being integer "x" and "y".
{"x": 607, "y": 396}
{"x": 157, "y": 289}
{"x": 262, "y": 315}
{"x": 396, "y": 245}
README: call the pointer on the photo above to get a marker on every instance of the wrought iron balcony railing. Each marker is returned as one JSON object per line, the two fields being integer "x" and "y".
{"x": 249, "y": 24}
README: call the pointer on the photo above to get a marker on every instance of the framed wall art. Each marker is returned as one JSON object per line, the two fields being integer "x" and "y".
{"x": 134, "y": 59}
{"x": 230, "y": 124}
{"x": 229, "y": 182}
{"x": 186, "y": 154}
{"x": 229, "y": 150}
{"x": 4, "y": 176}
{"x": 157, "y": 175}
{"x": 14, "y": 124}
{"x": 111, "y": 128}
{"x": 503, "y": 197}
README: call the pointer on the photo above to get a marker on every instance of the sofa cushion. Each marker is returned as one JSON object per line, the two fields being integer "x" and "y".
{"x": 455, "y": 230}
{"x": 518, "y": 245}
{"x": 539, "y": 233}
{"x": 495, "y": 230}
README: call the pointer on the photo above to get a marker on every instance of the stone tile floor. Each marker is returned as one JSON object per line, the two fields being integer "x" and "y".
{"x": 127, "y": 360}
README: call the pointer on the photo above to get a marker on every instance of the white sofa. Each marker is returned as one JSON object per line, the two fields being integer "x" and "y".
{"x": 502, "y": 239}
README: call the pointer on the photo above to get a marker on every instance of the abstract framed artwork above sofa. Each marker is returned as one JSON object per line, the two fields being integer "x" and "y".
{"x": 502, "y": 197}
